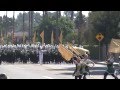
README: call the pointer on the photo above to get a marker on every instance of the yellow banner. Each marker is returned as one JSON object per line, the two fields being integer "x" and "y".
{"x": 60, "y": 38}
{"x": 12, "y": 37}
{"x": 66, "y": 54}
{"x": 114, "y": 46}
{"x": 34, "y": 37}
{"x": 73, "y": 49}
{"x": 23, "y": 37}
{"x": 82, "y": 51}
{"x": 2, "y": 38}
{"x": 42, "y": 36}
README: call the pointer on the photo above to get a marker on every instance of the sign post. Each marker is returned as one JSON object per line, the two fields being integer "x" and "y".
{"x": 99, "y": 37}
{"x": 99, "y": 50}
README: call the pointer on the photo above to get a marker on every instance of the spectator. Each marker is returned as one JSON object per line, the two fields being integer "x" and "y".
{"x": 3, "y": 76}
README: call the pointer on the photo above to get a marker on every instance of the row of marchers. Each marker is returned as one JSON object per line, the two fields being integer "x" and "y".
{"x": 30, "y": 56}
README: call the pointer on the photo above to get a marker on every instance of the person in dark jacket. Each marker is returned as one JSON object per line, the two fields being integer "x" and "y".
{"x": 3, "y": 76}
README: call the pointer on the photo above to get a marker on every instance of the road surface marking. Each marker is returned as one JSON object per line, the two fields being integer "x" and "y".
{"x": 47, "y": 77}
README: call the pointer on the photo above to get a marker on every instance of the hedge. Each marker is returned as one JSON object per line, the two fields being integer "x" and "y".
{"x": 94, "y": 51}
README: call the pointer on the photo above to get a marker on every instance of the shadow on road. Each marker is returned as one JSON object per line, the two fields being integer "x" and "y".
{"x": 66, "y": 69}
{"x": 67, "y": 73}
{"x": 93, "y": 70}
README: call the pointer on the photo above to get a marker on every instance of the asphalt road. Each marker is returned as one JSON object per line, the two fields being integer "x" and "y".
{"x": 48, "y": 71}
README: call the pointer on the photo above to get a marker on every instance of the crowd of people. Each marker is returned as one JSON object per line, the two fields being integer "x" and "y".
{"x": 34, "y": 53}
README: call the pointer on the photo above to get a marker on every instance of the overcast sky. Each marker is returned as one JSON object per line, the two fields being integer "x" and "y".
{"x": 10, "y": 13}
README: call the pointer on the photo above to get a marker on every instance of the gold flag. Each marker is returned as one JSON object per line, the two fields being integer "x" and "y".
{"x": 7, "y": 35}
{"x": 82, "y": 51}
{"x": 34, "y": 37}
{"x": 73, "y": 49}
{"x": 23, "y": 37}
{"x": 1, "y": 34}
{"x": 60, "y": 38}
{"x": 7, "y": 38}
{"x": 42, "y": 36}
{"x": 12, "y": 37}
{"x": 77, "y": 50}
{"x": 66, "y": 54}
{"x": 114, "y": 46}
{"x": 2, "y": 38}
{"x": 52, "y": 38}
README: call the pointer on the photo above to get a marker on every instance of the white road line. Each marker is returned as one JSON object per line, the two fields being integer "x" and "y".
{"x": 47, "y": 77}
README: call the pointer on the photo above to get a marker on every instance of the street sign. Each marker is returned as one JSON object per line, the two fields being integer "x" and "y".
{"x": 99, "y": 37}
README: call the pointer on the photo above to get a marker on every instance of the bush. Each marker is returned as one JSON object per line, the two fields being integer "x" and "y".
{"x": 94, "y": 51}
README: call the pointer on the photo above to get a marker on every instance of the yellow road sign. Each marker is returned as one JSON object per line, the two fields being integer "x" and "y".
{"x": 99, "y": 37}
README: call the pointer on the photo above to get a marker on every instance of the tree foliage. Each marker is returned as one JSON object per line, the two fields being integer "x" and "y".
{"x": 80, "y": 24}
{"x": 19, "y": 21}
{"x": 105, "y": 22}
{"x": 50, "y": 24}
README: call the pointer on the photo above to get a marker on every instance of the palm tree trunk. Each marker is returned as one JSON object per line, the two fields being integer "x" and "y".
{"x": 6, "y": 26}
{"x": 80, "y": 27}
{"x": 45, "y": 14}
{"x": 58, "y": 13}
{"x": 29, "y": 27}
{"x": 72, "y": 15}
{"x": 32, "y": 13}
{"x": 13, "y": 27}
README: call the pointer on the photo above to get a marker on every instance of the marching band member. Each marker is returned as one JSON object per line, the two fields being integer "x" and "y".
{"x": 77, "y": 61}
{"x": 40, "y": 56}
{"x": 85, "y": 66}
{"x": 82, "y": 66}
{"x": 110, "y": 69}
